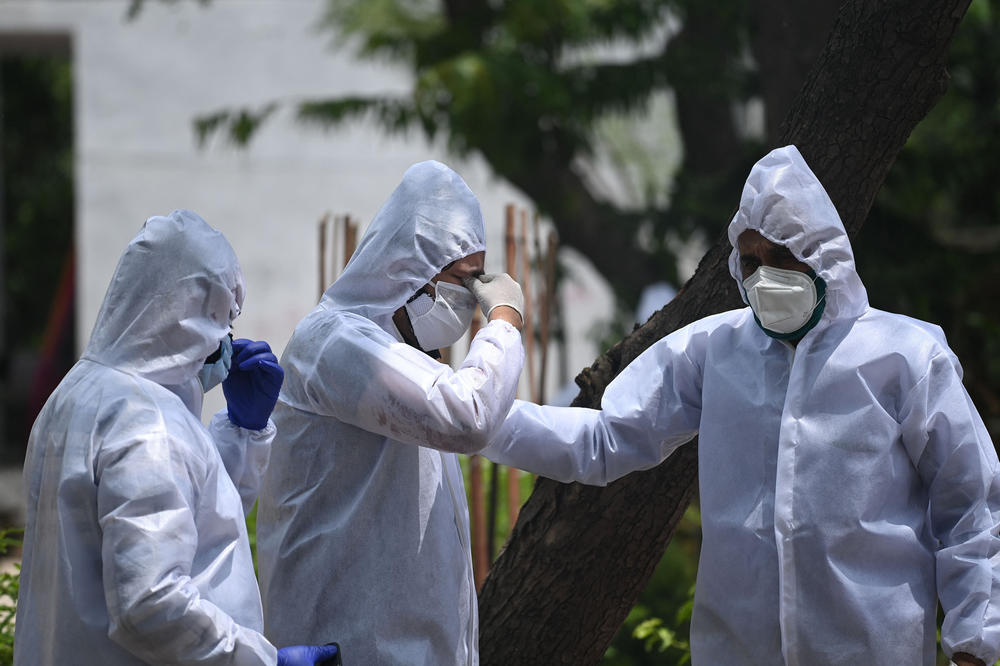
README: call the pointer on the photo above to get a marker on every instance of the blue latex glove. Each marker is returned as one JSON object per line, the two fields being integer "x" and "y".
{"x": 308, "y": 655}
{"x": 253, "y": 384}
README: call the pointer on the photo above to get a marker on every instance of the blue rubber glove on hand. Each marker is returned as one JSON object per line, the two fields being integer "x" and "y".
{"x": 307, "y": 655}
{"x": 253, "y": 384}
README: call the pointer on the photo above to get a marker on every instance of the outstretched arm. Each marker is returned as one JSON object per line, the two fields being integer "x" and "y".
{"x": 649, "y": 410}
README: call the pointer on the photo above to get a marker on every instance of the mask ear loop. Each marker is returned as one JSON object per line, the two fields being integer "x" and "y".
{"x": 819, "y": 287}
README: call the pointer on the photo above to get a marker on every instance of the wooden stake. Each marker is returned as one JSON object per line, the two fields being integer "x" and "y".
{"x": 323, "y": 223}
{"x": 350, "y": 239}
{"x": 510, "y": 242}
{"x": 548, "y": 299}
{"x": 529, "y": 320}
{"x": 510, "y": 265}
{"x": 513, "y": 244}
{"x": 480, "y": 553}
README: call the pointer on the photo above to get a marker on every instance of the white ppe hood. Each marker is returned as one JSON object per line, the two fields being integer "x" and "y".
{"x": 144, "y": 325}
{"x": 784, "y": 201}
{"x": 431, "y": 220}
{"x": 135, "y": 547}
{"x": 362, "y": 520}
{"x": 846, "y": 484}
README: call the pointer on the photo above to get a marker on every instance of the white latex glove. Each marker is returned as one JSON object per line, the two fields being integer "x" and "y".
{"x": 495, "y": 289}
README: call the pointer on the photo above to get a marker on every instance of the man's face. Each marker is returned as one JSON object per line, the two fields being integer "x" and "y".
{"x": 756, "y": 251}
{"x": 470, "y": 266}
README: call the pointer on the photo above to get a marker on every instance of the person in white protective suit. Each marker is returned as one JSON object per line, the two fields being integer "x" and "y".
{"x": 363, "y": 521}
{"x": 135, "y": 548}
{"x": 847, "y": 482}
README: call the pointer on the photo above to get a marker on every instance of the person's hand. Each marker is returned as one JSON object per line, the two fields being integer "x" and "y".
{"x": 308, "y": 655}
{"x": 253, "y": 384}
{"x": 499, "y": 296}
{"x": 966, "y": 659}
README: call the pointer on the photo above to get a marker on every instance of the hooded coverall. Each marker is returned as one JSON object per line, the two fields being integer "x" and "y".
{"x": 847, "y": 483}
{"x": 362, "y": 517}
{"x": 135, "y": 549}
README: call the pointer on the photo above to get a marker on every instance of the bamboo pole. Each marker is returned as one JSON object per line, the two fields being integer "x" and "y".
{"x": 510, "y": 263}
{"x": 529, "y": 319}
{"x": 350, "y": 239}
{"x": 517, "y": 242}
{"x": 323, "y": 224}
{"x": 481, "y": 557}
{"x": 510, "y": 241}
{"x": 549, "y": 280}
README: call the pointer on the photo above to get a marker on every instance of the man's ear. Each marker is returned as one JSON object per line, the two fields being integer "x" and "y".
{"x": 401, "y": 318}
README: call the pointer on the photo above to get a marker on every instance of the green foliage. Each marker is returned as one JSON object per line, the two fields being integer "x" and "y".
{"x": 658, "y": 638}
{"x": 240, "y": 125}
{"x": 931, "y": 248}
{"x": 534, "y": 88}
{"x": 135, "y": 7}
{"x": 252, "y": 534}
{"x": 37, "y": 130}
{"x": 504, "y": 80}
{"x": 10, "y": 538}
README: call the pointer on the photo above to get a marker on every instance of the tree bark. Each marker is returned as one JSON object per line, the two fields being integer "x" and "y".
{"x": 579, "y": 556}
{"x": 787, "y": 38}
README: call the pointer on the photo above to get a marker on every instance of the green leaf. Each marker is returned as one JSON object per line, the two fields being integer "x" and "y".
{"x": 239, "y": 125}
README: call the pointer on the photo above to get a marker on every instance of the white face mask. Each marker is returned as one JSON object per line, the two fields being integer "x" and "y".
{"x": 783, "y": 300}
{"x": 440, "y": 323}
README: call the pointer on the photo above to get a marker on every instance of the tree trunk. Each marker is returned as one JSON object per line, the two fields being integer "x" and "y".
{"x": 579, "y": 556}
{"x": 787, "y": 38}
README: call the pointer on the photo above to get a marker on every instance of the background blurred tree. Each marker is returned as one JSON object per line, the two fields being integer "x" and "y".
{"x": 527, "y": 84}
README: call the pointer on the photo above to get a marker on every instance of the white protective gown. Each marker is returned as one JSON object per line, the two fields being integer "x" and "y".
{"x": 136, "y": 548}
{"x": 846, "y": 484}
{"x": 363, "y": 532}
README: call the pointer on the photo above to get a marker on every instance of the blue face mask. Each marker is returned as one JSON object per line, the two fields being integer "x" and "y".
{"x": 216, "y": 367}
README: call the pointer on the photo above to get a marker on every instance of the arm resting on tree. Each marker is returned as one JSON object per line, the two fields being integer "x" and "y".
{"x": 649, "y": 410}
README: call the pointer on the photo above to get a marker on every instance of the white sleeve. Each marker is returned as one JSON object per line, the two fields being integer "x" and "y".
{"x": 371, "y": 381}
{"x": 951, "y": 448}
{"x": 145, "y": 495}
{"x": 652, "y": 407}
{"x": 244, "y": 452}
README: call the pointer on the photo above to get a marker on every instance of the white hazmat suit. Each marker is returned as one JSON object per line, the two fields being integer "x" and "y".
{"x": 847, "y": 483}
{"x": 136, "y": 548}
{"x": 363, "y": 529}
